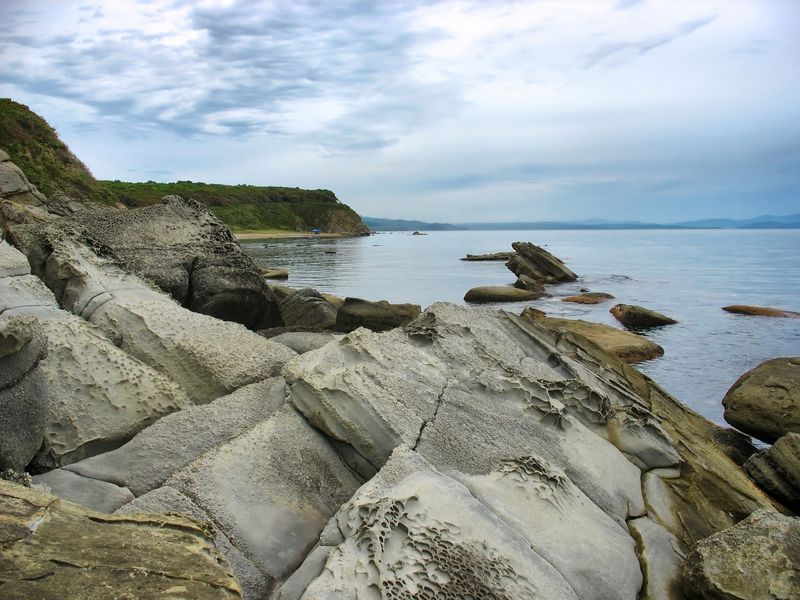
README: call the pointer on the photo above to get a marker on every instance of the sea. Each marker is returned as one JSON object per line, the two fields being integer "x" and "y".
{"x": 688, "y": 275}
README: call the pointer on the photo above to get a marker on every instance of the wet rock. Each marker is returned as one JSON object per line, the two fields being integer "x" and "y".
{"x": 377, "y": 316}
{"x": 588, "y": 298}
{"x": 24, "y": 398}
{"x": 499, "y": 293}
{"x": 485, "y": 257}
{"x": 538, "y": 264}
{"x": 275, "y": 273}
{"x": 765, "y": 401}
{"x": 638, "y": 317}
{"x": 777, "y": 470}
{"x": 760, "y": 311}
{"x": 101, "y": 496}
{"x": 181, "y": 247}
{"x": 56, "y": 549}
{"x": 307, "y": 309}
{"x": 758, "y": 558}
{"x": 628, "y": 346}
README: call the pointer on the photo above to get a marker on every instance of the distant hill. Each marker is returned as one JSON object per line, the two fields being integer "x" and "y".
{"x": 376, "y": 224}
{"x": 762, "y": 222}
{"x": 251, "y": 207}
{"x": 35, "y": 148}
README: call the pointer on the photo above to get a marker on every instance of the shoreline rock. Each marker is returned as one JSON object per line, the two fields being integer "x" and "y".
{"x": 499, "y": 293}
{"x": 637, "y": 317}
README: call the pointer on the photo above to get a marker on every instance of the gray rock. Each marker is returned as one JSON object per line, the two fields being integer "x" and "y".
{"x": 101, "y": 496}
{"x": 538, "y": 264}
{"x": 307, "y": 309}
{"x": 4, "y": 155}
{"x": 170, "y": 444}
{"x": 377, "y": 316}
{"x": 777, "y": 470}
{"x": 661, "y": 558}
{"x": 638, "y": 317}
{"x": 757, "y": 559}
{"x": 185, "y": 250}
{"x": 499, "y": 293}
{"x": 24, "y": 399}
{"x": 765, "y": 401}
{"x": 302, "y": 341}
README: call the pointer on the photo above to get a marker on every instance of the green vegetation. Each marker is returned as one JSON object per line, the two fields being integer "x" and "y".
{"x": 46, "y": 161}
{"x": 250, "y": 207}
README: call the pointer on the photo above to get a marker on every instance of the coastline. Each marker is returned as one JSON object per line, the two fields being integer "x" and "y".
{"x": 280, "y": 234}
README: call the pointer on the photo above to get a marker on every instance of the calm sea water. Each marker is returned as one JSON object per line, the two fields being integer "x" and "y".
{"x": 687, "y": 275}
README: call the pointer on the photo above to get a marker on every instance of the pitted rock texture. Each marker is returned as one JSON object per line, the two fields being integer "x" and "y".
{"x": 537, "y": 264}
{"x": 24, "y": 398}
{"x": 186, "y": 251}
{"x": 765, "y": 401}
{"x": 757, "y": 559}
{"x": 100, "y": 395}
{"x": 55, "y": 549}
{"x": 206, "y": 356}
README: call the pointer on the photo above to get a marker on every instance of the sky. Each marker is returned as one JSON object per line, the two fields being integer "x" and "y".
{"x": 657, "y": 110}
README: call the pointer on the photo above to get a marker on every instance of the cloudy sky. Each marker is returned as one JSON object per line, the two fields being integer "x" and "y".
{"x": 458, "y": 111}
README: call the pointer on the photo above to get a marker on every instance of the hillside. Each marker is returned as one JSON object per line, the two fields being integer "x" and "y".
{"x": 250, "y": 207}
{"x": 35, "y": 148}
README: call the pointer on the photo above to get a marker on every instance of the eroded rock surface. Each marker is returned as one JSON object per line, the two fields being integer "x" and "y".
{"x": 765, "y": 401}
{"x": 56, "y": 549}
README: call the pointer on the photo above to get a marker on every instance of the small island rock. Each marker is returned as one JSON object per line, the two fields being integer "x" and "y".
{"x": 537, "y": 263}
{"x": 500, "y": 293}
{"x": 765, "y": 401}
{"x": 486, "y": 257}
{"x": 760, "y": 311}
{"x": 637, "y": 317}
{"x": 588, "y": 298}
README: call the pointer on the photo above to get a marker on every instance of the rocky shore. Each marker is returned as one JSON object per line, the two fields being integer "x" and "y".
{"x": 202, "y": 434}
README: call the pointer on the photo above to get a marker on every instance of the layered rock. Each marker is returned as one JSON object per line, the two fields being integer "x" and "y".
{"x": 538, "y": 264}
{"x": 765, "y": 401}
{"x": 24, "y": 399}
{"x": 56, "y": 549}
{"x": 758, "y": 558}
{"x": 487, "y": 257}
{"x": 777, "y": 470}
{"x": 638, "y": 317}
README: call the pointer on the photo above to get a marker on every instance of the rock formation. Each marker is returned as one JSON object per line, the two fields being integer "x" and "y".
{"x": 765, "y": 401}
{"x": 499, "y": 293}
{"x": 377, "y": 316}
{"x": 504, "y": 256}
{"x": 538, "y": 264}
{"x": 777, "y": 470}
{"x": 588, "y": 298}
{"x": 637, "y": 317}
{"x": 760, "y": 311}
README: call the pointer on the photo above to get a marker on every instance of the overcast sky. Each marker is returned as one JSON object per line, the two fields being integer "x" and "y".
{"x": 453, "y": 111}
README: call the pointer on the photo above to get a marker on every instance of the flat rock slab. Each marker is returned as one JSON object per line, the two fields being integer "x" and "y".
{"x": 759, "y": 558}
{"x": 502, "y": 256}
{"x": 101, "y": 496}
{"x": 55, "y": 549}
{"x": 588, "y": 298}
{"x": 499, "y": 293}
{"x": 765, "y": 401}
{"x": 638, "y": 317}
{"x": 760, "y": 311}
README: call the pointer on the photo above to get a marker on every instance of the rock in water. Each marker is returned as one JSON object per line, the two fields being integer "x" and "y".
{"x": 756, "y": 559}
{"x": 24, "y": 400}
{"x": 538, "y": 264}
{"x": 588, "y": 298}
{"x": 56, "y": 549}
{"x": 500, "y": 293}
{"x": 765, "y": 401}
{"x": 777, "y": 470}
{"x": 638, "y": 317}
{"x": 377, "y": 316}
{"x": 760, "y": 311}
{"x": 485, "y": 257}
{"x": 185, "y": 250}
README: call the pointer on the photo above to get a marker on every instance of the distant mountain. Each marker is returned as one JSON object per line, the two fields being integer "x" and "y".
{"x": 761, "y": 222}
{"x": 376, "y": 224}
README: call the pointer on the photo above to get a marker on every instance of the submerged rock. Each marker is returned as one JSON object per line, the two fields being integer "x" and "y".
{"x": 760, "y": 311}
{"x": 756, "y": 559}
{"x": 638, "y": 317}
{"x": 56, "y": 549}
{"x": 377, "y": 316}
{"x": 538, "y": 264}
{"x": 499, "y": 293}
{"x": 588, "y": 298}
{"x": 765, "y": 401}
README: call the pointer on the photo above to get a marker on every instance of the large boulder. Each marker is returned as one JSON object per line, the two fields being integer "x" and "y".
{"x": 757, "y": 559}
{"x": 56, "y": 549}
{"x": 306, "y": 309}
{"x": 638, "y": 317}
{"x": 538, "y": 264}
{"x": 630, "y": 347}
{"x": 777, "y": 470}
{"x": 499, "y": 293}
{"x": 24, "y": 400}
{"x": 377, "y": 316}
{"x": 15, "y": 187}
{"x": 765, "y": 401}
{"x": 185, "y": 250}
